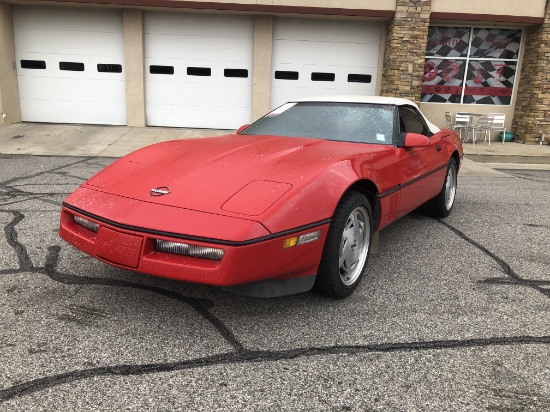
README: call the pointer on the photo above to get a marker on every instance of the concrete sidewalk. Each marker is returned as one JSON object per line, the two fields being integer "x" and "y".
{"x": 116, "y": 141}
{"x": 88, "y": 140}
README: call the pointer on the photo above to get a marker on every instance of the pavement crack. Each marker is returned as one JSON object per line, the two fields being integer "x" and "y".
{"x": 112, "y": 143}
{"x": 523, "y": 176}
{"x": 12, "y": 192}
{"x": 54, "y": 169}
{"x": 201, "y": 306}
{"x": 254, "y": 356}
{"x": 11, "y": 237}
{"x": 506, "y": 268}
{"x": 66, "y": 174}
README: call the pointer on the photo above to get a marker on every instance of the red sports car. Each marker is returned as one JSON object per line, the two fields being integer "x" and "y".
{"x": 283, "y": 205}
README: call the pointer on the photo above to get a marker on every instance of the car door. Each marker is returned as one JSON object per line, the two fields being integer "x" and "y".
{"x": 421, "y": 168}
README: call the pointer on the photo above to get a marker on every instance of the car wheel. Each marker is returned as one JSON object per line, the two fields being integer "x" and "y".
{"x": 442, "y": 204}
{"x": 347, "y": 247}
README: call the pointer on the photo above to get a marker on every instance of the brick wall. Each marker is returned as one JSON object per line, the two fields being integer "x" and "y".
{"x": 532, "y": 113}
{"x": 405, "y": 47}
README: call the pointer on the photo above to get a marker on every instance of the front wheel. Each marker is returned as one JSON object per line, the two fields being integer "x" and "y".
{"x": 442, "y": 204}
{"x": 347, "y": 247}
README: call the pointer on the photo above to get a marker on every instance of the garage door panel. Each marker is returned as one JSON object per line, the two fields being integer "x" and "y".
{"x": 175, "y": 115}
{"x": 180, "y": 68}
{"x": 222, "y": 95}
{"x": 305, "y": 70}
{"x": 52, "y": 69}
{"x": 324, "y": 53}
{"x": 320, "y": 55}
{"x": 179, "y": 24}
{"x": 65, "y": 89}
{"x": 210, "y": 42}
{"x": 79, "y": 112}
{"x": 81, "y": 43}
{"x": 200, "y": 48}
{"x": 68, "y": 94}
{"x": 72, "y": 19}
{"x": 338, "y": 31}
{"x": 284, "y": 94}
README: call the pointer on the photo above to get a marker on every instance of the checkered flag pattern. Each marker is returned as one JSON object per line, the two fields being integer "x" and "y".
{"x": 442, "y": 80}
{"x": 496, "y": 43}
{"x": 490, "y": 82}
{"x": 447, "y": 41}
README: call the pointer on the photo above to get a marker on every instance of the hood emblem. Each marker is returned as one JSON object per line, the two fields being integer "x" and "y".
{"x": 159, "y": 191}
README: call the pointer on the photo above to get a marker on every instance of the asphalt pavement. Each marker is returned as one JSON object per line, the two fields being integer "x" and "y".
{"x": 452, "y": 315}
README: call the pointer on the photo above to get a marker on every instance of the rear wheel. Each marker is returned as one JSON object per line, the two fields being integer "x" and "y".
{"x": 346, "y": 248}
{"x": 442, "y": 204}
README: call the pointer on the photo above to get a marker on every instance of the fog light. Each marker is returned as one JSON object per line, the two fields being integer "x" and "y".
{"x": 189, "y": 250}
{"x": 296, "y": 241}
{"x": 86, "y": 223}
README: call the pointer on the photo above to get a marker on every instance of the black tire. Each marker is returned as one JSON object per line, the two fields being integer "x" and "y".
{"x": 442, "y": 204}
{"x": 347, "y": 247}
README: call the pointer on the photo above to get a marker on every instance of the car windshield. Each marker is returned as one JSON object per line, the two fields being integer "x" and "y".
{"x": 347, "y": 122}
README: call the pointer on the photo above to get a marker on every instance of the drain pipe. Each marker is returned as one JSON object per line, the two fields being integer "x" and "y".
{"x": 541, "y": 140}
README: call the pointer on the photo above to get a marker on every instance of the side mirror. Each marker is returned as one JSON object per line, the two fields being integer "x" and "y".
{"x": 240, "y": 129}
{"x": 416, "y": 140}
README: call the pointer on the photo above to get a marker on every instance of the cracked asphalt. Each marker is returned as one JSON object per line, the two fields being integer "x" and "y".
{"x": 453, "y": 315}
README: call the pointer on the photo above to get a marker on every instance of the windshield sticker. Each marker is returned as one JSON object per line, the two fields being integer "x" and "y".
{"x": 281, "y": 109}
{"x": 380, "y": 137}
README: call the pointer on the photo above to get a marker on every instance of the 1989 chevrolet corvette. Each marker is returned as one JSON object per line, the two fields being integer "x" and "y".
{"x": 284, "y": 205}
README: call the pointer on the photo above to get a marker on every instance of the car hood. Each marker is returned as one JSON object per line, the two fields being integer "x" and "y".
{"x": 230, "y": 175}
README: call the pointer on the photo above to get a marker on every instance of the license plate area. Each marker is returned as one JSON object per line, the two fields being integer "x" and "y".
{"x": 119, "y": 248}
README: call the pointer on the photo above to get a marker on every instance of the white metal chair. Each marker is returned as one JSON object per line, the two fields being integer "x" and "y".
{"x": 484, "y": 124}
{"x": 498, "y": 124}
{"x": 462, "y": 122}
{"x": 449, "y": 120}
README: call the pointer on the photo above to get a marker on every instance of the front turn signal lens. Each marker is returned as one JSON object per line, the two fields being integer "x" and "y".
{"x": 300, "y": 240}
{"x": 290, "y": 242}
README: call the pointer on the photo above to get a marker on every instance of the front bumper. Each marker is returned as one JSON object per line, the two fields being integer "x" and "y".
{"x": 244, "y": 261}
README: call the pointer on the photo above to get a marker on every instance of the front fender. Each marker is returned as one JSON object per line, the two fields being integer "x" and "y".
{"x": 316, "y": 200}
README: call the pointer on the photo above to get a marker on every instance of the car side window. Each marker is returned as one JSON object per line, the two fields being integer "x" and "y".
{"x": 410, "y": 121}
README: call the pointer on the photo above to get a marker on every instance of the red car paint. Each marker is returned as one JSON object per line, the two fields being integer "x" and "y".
{"x": 245, "y": 195}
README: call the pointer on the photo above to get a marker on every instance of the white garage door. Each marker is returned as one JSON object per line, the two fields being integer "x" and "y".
{"x": 323, "y": 58}
{"x": 70, "y": 65}
{"x": 198, "y": 70}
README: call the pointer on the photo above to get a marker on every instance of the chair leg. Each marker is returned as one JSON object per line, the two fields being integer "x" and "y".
{"x": 503, "y": 135}
{"x": 488, "y": 134}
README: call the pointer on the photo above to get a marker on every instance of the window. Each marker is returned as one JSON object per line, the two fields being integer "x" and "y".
{"x": 286, "y": 75}
{"x": 470, "y": 65}
{"x": 359, "y": 78}
{"x": 410, "y": 121}
{"x": 33, "y": 64}
{"x": 199, "y": 71}
{"x": 161, "y": 69}
{"x": 235, "y": 73}
{"x": 349, "y": 122}
{"x": 71, "y": 66}
{"x": 322, "y": 77}
{"x": 109, "y": 68}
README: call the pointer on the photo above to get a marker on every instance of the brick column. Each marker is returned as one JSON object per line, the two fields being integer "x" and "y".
{"x": 532, "y": 112}
{"x": 405, "y": 47}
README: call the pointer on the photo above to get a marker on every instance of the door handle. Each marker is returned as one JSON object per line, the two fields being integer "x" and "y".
{"x": 438, "y": 148}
